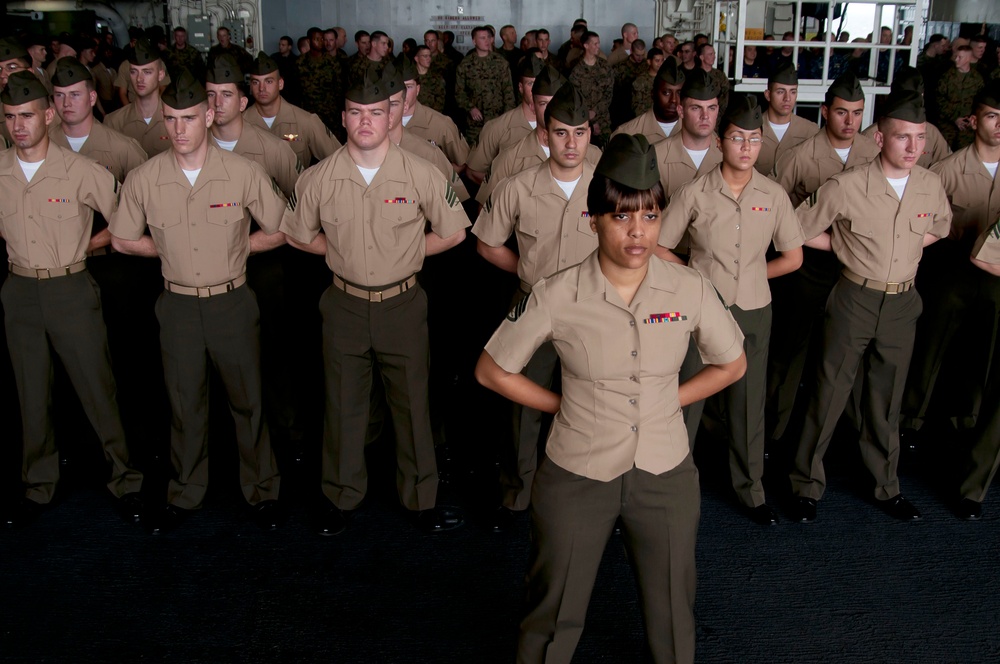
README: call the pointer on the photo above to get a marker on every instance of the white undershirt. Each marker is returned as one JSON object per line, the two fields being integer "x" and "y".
{"x": 147, "y": 120}
{"x": 533, "y": 123}
{"x": 992, "y": 168}
{"x": 843, "y": 153}
{"x": 227, "y": 145}
{"x": 779, "y": 129}
{"x": 268, "y": 121}
{"x": 77, "y": 143}
{"x": 899, "y": 184}
{"x": 30, "y": 167}
{"x": 406, "y": 119}
{"x": 368, "y": 173}
{"x": 697, "y": 156}
{"x": 667, "y": 127}
{"x": 546, "y": 150}
{"x": 568, "y": 187}
{"x": 192, "y": 176}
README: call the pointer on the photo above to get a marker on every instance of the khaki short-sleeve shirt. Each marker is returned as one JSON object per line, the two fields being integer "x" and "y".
{"x": 440, "y": 131}
{"x": 418, "y": 146}
{"x": 620, "y": 363}
{"x": 771, "y": 149}
{"x": 676, "y": 166}
{"x": 730, "y": 236}
{"x": 987, "y": 247}
{"x": 553, "y": 233}
{"x": 374, "y": 233}
{"x": 497, "y": 135}
{"x": 202, "y": 233}
{"x": 47, "y": 223}
{"x": 974, "y": 194}
{"x": 802, "y": 170}
{"x": 875, "y": 234}
{"x": 152, "y": 137}
{"x": 304, "y": 132}
{"x": 647, "y": 125}
{"x": 111, "y": 149}
{"x": 273, "y": 154}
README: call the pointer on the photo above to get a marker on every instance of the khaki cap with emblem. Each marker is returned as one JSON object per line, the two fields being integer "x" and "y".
{"x": 144, "y": 53}
{"x": 23, "y": 87}
{"x": 407, "y": 68}
{"x": 225, "y": 70}
{"x": 392, "y": 78}
{"x": 547, "y": 82}
{"x": 785, "y": 74}
{"x": 568, "y": 106}
{"x": 70, "y": 71}
{"x": 847, "y": 86}
{"x": 699, "y": 85}
{"x": 185, "y": 92}
{"x": 743, "y": 112}
{"x": 367, "y": 90}
{"x": 263, "y": 65}
{"x": 10, "y": 48}
{"x": 905, "y": 105}
{"x": 670, "y": 73}
{"x": 629, "y": 160}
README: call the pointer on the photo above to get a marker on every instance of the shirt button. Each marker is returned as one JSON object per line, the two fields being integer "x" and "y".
{"x": 631, "y": 402}
{"x": 737, "y": 261}
{"x": 193, "y": 225}
{"x": 870, "y": 233}
{"x": 737, "y": 227}
{"x": 737, "y": 245}
{"x": 634, "y": 353}
{"x": 735, "y": 278}
{"x": 196, "y": 248}
{"x": 372, "y": 273}
{"x": 631, "y": 323}
{"x": 369, "y": 246}
{"x": 633, "y": 379}
{"x": 897, "y": 236}
{"x": 32, "y": 242}
{"x": 634, "y": 428}
{"x": 197, "y": 274}
{"x": 737, "y": 209}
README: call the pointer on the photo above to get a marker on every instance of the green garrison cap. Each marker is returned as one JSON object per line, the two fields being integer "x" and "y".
{"x": 367, "y": 90}
{"x": 392, "y": 78}
{"x": 10, "y": 48}
{"x": 530, "y": 67}
{"x": 670, "y": 72}
{"x": 407, "y": 68}
{"x": 22, "y": 87}
{"x": 905, "y": 105}
{"x": 263, "y": 65}
{"x": 225, "y": 70}
{"x": 184, "y": 92}
{"x": 743, "y": 112}
{"x": 70, "y": 71}
{"x": 785, "y": 74}
{"x": 699, "y": 85}
{"x": 547, "y": 81}
{"x": 568, "y": 106}
{"x": 144, "y": 53}
{"x": 989, "y": 95}
{"x": 908, "y": 78}
{"x": 846, "y": 87}
{"x": 629, "y": 160}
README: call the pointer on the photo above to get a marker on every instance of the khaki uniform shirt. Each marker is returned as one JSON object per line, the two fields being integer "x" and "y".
{"x": 306, "y": 134}
{"x": 987, "y": 247}
{"x": 104, "y": 82}
{"x": 676, "y": 166}
{"x": 802, "y": 170}
{"x": 799, "y": 129}
{"x": 440, "y": 131}
{"x": 152, "y": 137}
{"x": 935, "y": 149}
{"x": 497, "y": 135}
{"x": 418, "y": 146}
{"x": 526, "y": 153}
{"x": 553, "y": 233}
{"x": 374, "y": 233}
{"x": 202, "y": 233}
{"x": 647, "y": 125}
{"x": 730, "y": 236}
{"x": 47, "y": 223}
{"x": 274, "y": 154}
{"x": 620, "y": 362}
{"x": 973, "y": 194}
{"x": 114, "y": 151}
{"x": 875, "y": 235}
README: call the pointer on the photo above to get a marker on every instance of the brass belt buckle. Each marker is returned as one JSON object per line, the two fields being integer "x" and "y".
{"x": 895, "y": 288}
{"x": 375, "y": 294}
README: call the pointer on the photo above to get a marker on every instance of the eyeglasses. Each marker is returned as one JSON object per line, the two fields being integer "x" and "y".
{"x": 740, "y": 140}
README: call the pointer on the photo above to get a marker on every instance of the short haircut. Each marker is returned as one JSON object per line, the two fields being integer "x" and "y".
{"x": 533, "y": 33}
{"x": 542, "y": 31}
{"x": 431, "y": 32}
{"x": 681, "y": 46}
{"x": 579, "y": 30}
{"x": 180, "y": 28}
{"x": 420, "y": 48}
{"x": 507, "y": 26}
{"x": 378, "y": 34}
{"x": 589, "y": 36}
{"x": 580, "y": 21}
{"x": 221, "y": 28}
{"x": 627, "y": 26}
{"x": 638, "y": 43}
{"x": 935, "y": 38}
{"x": 653, "y": 52}
{"x": 701, "y": 49}
{"x": 330, "y": 31}
{"x": 286, "y": 38}
{"x": 979, "y": 39}
{"x": 964, "y": 48}
{"x": 298, "y": 44}
{"x": 605, "y": 196}
{"x": 480, "y": 28}
{"x": 360, "y": 34}
{"x": 313, "y": 31}
{"x": 700, "y": 36}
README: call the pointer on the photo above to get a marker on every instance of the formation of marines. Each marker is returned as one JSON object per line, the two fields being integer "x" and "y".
{"x": 293, "y": 200}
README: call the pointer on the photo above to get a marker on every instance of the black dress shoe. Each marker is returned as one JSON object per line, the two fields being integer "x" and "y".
{"x": 166, "y": 520}
{"x": 503, "y": 519}
{"x": 900, "y": 508}
{"x": 131, "y": 507}
{"x": 23, "y": 513}
{"x": 269, "y": 515}
{"x": 763, "y": 515}
{"x": 332, "y": 521}
{"x": 803, "y": 509}
{"x": 440, "y": 519}
{"x": 969, "y": 510}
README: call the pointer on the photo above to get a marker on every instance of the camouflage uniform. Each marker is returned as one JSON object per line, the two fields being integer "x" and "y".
{"x": 722, "y": 81}
{"x": 238, "y": 53}
{"x": 642, "y": 93}
{"x": 360, "y": 65}
{"x": 320, "y": 83}
{"x": 187, "y": 58}
{"x": 625, "y": 73}
{"x": 483, "y": 83}
{"x": 597, "y": 83}
{"x": 433, "y": 92}
{"x": 954, "y": 94}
